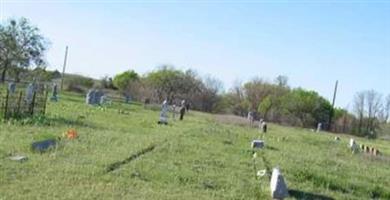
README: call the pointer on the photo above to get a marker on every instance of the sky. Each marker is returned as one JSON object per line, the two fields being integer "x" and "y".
{"x": 314, "y": 43}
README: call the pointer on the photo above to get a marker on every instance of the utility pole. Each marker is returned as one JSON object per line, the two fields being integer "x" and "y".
{"x": 63, "y": 68}
{"x": 332, "y": 109}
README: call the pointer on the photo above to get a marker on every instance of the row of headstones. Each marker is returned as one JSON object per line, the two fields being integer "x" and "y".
{"x": 96, "y": 97}
{"x": 31, "y": 89}
{"x": 165, "y": 109}
{"x": 278, "y": 185}
{"x": 364, "y": 148}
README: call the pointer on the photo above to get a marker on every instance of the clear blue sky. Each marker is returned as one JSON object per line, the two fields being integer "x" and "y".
{"x": 314, "y": 44}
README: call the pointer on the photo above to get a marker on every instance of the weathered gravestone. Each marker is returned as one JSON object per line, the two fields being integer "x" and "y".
{"x": 319, "y": 127}
{"x": 278, "y": 185}
{"x": 258, "y": 144}
{"x": 30, "y": 90}
{"x": 353, "y": 146}
{"x": 11, "y": 87}
{"x": 94, "y": 97}
{"x": 18, "y": 158}
{"x": 127, "y": 98}
{"x": 44, "y": 145}
{"x": 54, "y": 96}
{"x": 164, "y": 113}
{"x": 103, "y": 100}
{"x": 264, "y": 126}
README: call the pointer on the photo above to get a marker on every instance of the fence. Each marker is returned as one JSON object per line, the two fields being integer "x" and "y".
{"x": 18, "y": 104}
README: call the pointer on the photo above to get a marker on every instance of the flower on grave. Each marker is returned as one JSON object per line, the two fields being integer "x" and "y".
{"x": 71, "y": 134}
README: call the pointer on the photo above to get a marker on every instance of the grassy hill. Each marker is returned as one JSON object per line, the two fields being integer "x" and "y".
{"x": 128, "y": 156}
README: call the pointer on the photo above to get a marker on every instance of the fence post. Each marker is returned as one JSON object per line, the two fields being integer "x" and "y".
{"x": 44, "y": 103}
{"x": 33, "y": 104}
{"x": 6, "y": 105}
{"x": 19, "y": 101}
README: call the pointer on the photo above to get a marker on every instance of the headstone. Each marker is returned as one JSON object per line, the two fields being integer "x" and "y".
{"x": 98, "y": 97}
{"x": 103, "y": 100}
{"x": 319, "y": 127}
{"x": 42, "y": 146}
{"x": 29, "y": 93}
{"x": 376, "y": 152}
{"x": 174, "y": 111}
{"x": 89, "y": 97}
{"x": 278, "y": 185}
{"x": 164, "y": 113}
{"x": 11, "y": 87}
{"x": 264, "y": 125}
{"x": 127, "y": 98}
{"x": 54, "y": 96}
{"x": 250, "y": 117}
{"x": 372, "y": 149}
{"x": 351, "y": 143}
{"x": 94, "y": 97}
{"x": 182, "y": 109}
{"x": 18, "y": 158}
{"x": 258, "y": 144}
{"x": 367, "y": 149}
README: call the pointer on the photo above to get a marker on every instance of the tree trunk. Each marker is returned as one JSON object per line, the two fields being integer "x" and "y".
{"x": 3, "y": 74}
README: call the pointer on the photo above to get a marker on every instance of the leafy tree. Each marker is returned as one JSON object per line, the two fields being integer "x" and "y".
{"x": 21, "y": 45}
{"x": 124, "y": 80}
{"x": 168, "y": 82}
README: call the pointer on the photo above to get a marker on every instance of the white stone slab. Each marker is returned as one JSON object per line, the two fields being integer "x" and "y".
{"x": 278, "y": 185}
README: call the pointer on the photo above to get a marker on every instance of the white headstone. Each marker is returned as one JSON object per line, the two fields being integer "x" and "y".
{"x": 319, "y": 127}
{"x": 164, "y": 112}
{"x": 351, "y": 143}
{"x": 278, "y": 185}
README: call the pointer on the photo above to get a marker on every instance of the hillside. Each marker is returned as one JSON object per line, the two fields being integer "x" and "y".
{"x": 126, "y": 155}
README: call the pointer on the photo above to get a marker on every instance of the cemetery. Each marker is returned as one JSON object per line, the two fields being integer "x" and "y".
{"x": 124, "y": 155}
{"x": 98, "y": 129}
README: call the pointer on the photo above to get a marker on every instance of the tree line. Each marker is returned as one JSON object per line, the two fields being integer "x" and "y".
{"x": 22, "y": 53}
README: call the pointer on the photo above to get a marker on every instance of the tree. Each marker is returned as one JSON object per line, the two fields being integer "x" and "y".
{"x": 167, "y": 82}
{"x": 359, "y": 108}
{"x": 281, "y": 81}
{"x": 21, "y": 45}
{"x": 125, "y": 80}
{"x": 374, "y": 106}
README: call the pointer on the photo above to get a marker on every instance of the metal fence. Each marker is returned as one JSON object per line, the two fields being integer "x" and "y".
{"x": 18, "y": 104}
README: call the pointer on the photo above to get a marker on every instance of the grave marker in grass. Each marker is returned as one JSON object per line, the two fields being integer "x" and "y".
{"x": 278, "y": 185}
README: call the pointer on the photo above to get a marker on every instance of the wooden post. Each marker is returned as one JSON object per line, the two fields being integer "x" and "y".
{"x": 6, "y": 105}
{"x": 33, "y": 104}
{"x": 44, "y": 103}
{"x": 63, "y": 68}
{"x": 19, "y": 101}
{"x": 332, "y": 109}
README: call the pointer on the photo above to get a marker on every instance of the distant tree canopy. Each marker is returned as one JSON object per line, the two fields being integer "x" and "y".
{"x": 21, "y": 46}
{"x": 123, "y": 80}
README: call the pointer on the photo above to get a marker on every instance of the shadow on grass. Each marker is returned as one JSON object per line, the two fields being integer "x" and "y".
{"x": 297, "y": 194}
{"x": 118, "y": 164}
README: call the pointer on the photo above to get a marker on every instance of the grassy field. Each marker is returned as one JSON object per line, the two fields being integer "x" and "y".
{"x": 128, "y": 156}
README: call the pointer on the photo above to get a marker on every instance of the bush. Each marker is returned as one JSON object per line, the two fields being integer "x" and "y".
{"x": 77, "y": 83}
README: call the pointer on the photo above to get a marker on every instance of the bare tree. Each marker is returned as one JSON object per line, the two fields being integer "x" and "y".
{"x": 359, "y": 108}
{"x": 374, "y": 106}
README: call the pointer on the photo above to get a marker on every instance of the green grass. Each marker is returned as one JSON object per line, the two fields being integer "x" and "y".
{"x": 197, "y": 158}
